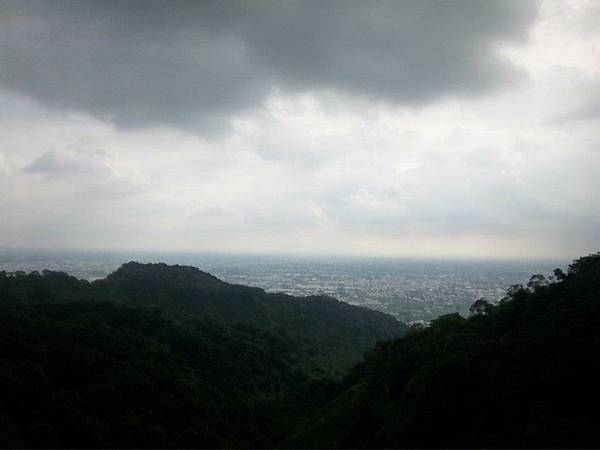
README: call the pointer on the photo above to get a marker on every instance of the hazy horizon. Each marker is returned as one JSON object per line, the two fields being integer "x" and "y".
{"x": 411, "y": 289}
{"x": 125, "y": 252}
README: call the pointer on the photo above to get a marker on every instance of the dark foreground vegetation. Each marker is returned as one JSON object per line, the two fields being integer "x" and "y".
{"x": 523, "y": 373}
{"x": 168, "y": 356}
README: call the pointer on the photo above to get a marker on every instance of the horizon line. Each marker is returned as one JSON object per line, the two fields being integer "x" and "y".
{"x": 298, "y": 255}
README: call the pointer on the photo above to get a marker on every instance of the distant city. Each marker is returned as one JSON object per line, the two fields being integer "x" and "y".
{"x": 412, "y": 290}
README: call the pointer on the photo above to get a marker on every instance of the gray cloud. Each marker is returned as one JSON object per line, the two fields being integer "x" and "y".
{"x": 194, "y": 65}
{"x": 4, "y": 167}
{"x": 88, "y": 170}
{"x": 589, "y": 112}
{"x": 70, "y": 163}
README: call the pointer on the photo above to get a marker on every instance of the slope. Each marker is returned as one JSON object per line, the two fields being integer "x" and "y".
{"x": 523, "y": 373}
{"x": 329, "y": 336}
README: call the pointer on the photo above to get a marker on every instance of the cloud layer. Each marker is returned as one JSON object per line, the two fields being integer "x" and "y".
{"x": 381, "y": 128}
{"x": 195, "y": 65}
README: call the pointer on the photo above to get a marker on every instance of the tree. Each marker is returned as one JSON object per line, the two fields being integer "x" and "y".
{"x": 537, "y": 281}
{"x": 512, "y": 291}
{"x": 559, "y": 274}
{"x": 481, "y": 306}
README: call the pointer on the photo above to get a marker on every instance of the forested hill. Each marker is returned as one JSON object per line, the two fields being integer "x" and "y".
{"x": 185, "y": 290}
{"x": 523, "y": 373}
{"x": 167, "y": 356}
{"x": 329, "y": 336}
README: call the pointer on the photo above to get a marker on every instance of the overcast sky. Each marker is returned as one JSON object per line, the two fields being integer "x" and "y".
{"x": 444, "y": 129}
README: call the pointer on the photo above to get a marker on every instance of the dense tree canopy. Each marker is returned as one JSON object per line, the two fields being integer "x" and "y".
{"x": 523, "y": 373}
{"x": 167, "y": 356}
{"x": 178, "y": 358}
{"x": 331, "y": 335}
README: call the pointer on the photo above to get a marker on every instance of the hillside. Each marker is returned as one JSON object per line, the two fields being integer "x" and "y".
{"x": 330, "y": 336}
{"x": 523, "y": 373}
{"x": 179, "y": 358}
{"x": 167, "y": 356}
{"x": 91, "y": 374}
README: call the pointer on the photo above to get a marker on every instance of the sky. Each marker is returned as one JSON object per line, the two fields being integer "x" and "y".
{"x": 422, "y": 129}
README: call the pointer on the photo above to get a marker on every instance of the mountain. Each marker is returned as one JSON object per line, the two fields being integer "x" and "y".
{"x": 523, "y": 373}
{"x": 332, "y": 334}
{"x": 167, "y": 356}
{"x": 100, "y": 375}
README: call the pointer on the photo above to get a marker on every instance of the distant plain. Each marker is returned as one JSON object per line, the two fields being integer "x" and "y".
{"x": 411, "y": 289}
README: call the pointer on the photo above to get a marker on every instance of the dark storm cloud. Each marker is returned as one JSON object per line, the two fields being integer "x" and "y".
{"x": 193, "y": 65}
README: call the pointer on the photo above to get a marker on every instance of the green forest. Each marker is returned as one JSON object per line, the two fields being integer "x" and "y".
{"x": 169, "y": 356}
